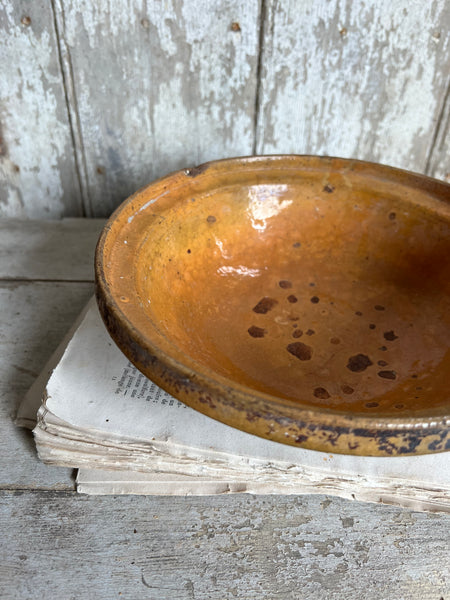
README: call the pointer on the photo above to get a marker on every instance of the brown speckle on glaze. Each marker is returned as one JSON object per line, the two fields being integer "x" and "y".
{"x": 372, "y": 326}
{"x": 347, "y": 389}
{"x": 256, "y": 332}
{"x": 310, "y": 332}
{"x": 392, "y": 216}
{"x": 211, "y": 219}
{"x": 328, "y": 188}
{"x": 292, "y": 299}
{"x": 382, "y": 363}
{"x": 285, "y": 284}
{"x": 372, "y": 404}
{"x": 296, "y": 245}
{"x": 297, "y": 333}
{"x": 399, "y": 406}
{"x": 387, "y": 374}
{"x": 390, "y": 336}
{"x": 379, "y": 307}
{"x": 382, "y": 348}
{"x": 358, "y": 313}
{"x": 188, "y": 250}
{"x": 300, "y": 350}
{"x": 264, "y": 305}
{"x": 321, "y": 393}
{"x": 335, "y": 341}
{"x": 315, "y": 299}
{"x": 359, "y": 363}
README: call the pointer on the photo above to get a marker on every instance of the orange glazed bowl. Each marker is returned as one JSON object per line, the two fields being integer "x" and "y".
{"x": 298, "y": 298}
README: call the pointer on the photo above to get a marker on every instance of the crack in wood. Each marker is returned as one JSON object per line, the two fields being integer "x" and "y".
{"x": 66, "y": 69}
{"x": 256, "y": 115}
{"x": 441, "y": 131}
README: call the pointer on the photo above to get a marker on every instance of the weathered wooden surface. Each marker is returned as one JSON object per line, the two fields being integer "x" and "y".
{"x": 98, "y": 99}
{"x": 157, "y": 88}
{"x": 52, "y": 250}
{"x": 354, "y": 79}
{"x": 38, "y": 175}
{"x": 34, "y": 318}
{"x": 439, "y": 161}
{"x": 56, "y": 544}
{"x": 64, "y": 546}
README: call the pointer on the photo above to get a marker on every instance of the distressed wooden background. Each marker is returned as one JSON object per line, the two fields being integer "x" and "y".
{"x": 99, "y": 98}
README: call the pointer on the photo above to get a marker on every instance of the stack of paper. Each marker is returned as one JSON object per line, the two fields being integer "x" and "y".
{"x": 97, "y": 413}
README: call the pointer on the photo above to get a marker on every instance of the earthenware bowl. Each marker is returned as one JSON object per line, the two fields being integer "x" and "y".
{"x": 302, "y": 299}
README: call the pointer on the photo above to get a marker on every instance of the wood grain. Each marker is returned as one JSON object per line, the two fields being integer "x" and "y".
{"x": 98, "y": 99}
{"x": 38, "y": 177}
{"x": 219, "y": 548}
{"x": 157, "y": 87}
{"x": 439, "y": 160}
{"x": 363, "y": 80}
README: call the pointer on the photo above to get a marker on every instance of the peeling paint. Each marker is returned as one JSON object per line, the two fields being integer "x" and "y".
{"x": 373, "y": 93}
{"x": 37, "y": 171}
{"x": 179, "y": 91}
{"x": 153, "y": 87}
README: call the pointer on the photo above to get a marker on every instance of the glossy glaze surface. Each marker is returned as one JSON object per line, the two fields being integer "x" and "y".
{"x": 298, "y": 298}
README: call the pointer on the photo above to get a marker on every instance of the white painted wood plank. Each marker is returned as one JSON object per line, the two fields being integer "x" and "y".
{"x": 57, "y": 545}
{"x": 37, "y": 169}
{"x": 21, "y": 468}
{"x": 439, "y": 162}
{"x": 158, "y": 86}
{"x": 34, "y": 318}
{"x": 52, "y": 250}
{"x": 360, "y": 79}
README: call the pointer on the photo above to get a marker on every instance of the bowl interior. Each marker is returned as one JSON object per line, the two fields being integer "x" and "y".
{"x": 325, "y": 286}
